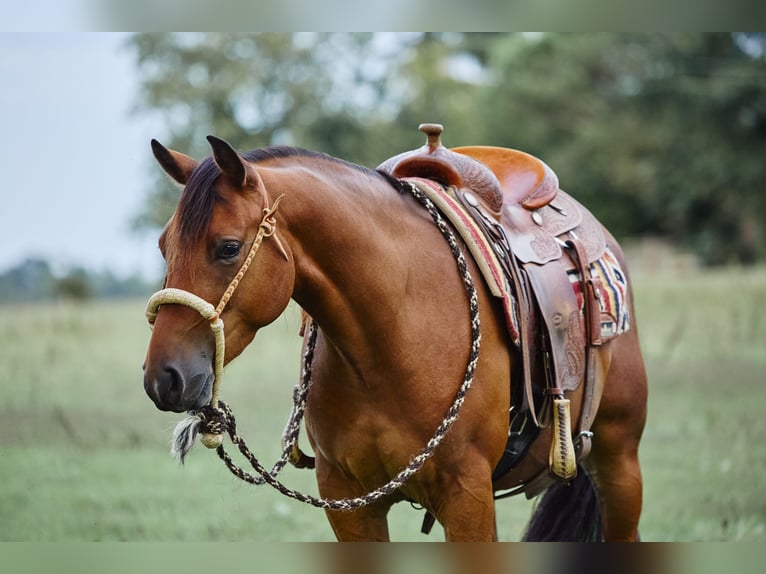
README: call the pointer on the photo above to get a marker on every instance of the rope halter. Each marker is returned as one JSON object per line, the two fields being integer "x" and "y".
{"x": 212, "y": 435}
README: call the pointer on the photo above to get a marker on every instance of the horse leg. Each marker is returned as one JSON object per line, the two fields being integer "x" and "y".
{"x": 467, "y": 510}
{"x": 613, "y": 461}
{"x": 617, "y": 475}
{"x": 368, "y": 523}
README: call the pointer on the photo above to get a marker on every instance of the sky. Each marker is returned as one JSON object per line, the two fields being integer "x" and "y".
{"x": 75, "y": 160}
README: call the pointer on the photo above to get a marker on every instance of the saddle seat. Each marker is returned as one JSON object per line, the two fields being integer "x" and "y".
{"x": 524, "y": 179}
{"x": 496, "y": 176}
{"x": 514, "y": 188}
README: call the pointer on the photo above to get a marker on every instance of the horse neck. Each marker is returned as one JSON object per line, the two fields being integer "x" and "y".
{"x": 349, "y": 232}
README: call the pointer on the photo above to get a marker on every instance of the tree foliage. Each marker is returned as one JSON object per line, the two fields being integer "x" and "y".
{"x": 658, "y": 134}
{"x": 34, "y": 280}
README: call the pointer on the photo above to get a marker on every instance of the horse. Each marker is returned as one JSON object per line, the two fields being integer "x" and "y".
{"x": 366, "y": 263}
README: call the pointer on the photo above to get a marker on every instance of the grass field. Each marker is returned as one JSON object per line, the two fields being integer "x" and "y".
{"x": 83, "y": 453}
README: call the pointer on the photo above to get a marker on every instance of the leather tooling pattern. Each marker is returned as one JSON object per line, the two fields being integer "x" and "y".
{"x": 575, "y": 349}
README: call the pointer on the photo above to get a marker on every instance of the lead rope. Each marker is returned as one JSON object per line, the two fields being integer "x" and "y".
{"x": 217, "y": 417}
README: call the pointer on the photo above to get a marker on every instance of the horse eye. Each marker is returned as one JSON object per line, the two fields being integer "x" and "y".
{"x": 228, "y": 250}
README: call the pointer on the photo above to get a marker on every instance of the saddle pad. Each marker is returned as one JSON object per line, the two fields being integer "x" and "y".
{"x": 615, "y": 312}
{"x": 477, "y": 244}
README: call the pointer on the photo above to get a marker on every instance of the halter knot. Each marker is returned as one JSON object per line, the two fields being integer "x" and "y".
{"x": 213, "y": 420}
{"x": 269, "y": 226}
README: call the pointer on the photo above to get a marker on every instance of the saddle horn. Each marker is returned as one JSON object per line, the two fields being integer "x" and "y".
{"x": 436, "y": 162}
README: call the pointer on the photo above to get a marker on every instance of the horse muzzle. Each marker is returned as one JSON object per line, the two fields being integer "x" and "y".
{"x": 179, "y": 388}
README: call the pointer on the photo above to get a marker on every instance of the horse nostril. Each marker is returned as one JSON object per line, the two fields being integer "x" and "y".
{"x": 175, "y": 382}
{"x": 165, "y": 388}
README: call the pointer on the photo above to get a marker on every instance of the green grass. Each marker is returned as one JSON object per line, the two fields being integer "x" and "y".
{"x": 703, "y": 454}
{"x": 83, "y": 453}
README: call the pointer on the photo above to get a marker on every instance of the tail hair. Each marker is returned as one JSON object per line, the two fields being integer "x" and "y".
{"x": 567, "y": 512}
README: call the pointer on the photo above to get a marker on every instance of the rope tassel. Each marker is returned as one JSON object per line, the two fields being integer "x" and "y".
{"x": 208, "y": 422}
{"x": 183, "y": 437}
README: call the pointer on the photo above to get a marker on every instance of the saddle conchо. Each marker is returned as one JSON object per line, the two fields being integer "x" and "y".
{"x": 567, "y": 288}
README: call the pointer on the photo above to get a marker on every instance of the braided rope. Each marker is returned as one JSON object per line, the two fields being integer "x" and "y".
{"x": 218, "y": 417}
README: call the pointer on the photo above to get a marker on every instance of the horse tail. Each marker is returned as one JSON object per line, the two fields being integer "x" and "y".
{"x": 567, "y": 513}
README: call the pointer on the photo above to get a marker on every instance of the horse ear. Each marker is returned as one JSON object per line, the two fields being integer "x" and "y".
{"x": 230, "y": 162}
{"x": 176, "y": 165}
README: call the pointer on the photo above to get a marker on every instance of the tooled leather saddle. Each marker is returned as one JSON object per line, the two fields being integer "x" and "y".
{"x": 542, "y": 237}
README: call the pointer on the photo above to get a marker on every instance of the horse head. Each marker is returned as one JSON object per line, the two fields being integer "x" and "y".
{"x": 224, "y": 210}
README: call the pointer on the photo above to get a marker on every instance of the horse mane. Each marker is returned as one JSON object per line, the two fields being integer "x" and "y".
{"x": 195, "y": 208}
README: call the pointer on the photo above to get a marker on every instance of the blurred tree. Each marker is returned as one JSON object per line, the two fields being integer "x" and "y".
{"x": 658, "y": 134}
{"x": 31, "y": 280}
{"x": 74, "y": 286}
{"x": 355, "y": 96}
{"x": 322, "y": 91}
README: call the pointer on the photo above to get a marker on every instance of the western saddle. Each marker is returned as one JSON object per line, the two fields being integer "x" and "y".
{"x": 541, "y": 235}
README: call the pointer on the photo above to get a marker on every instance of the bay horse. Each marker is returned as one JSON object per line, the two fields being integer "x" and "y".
{"x": 367, "y": 264}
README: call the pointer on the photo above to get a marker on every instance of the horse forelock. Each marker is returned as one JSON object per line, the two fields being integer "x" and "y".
{"x": 194, "y": 212}
{"x": 195, "y": 207}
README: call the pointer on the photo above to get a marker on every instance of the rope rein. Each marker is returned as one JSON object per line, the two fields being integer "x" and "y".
{"x": 217, "y": 418}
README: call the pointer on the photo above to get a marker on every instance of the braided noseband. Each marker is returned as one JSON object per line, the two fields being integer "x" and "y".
{"x": 216, "y": 418}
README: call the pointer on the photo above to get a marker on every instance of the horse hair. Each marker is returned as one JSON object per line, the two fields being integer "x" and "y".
{"x": 183, "y": 437}
{"x": 567, "y": 513}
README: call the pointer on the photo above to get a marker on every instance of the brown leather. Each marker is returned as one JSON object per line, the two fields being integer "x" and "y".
{"x": 593, "y": 385}
{"x": 535, "y": 210}
{"x": 557, "y": 303}
{"x": 591, "y": 293}
{"x": 533, "y": 234}
{"x": 524, "y": 179}
{"x": 434, "y": 161}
